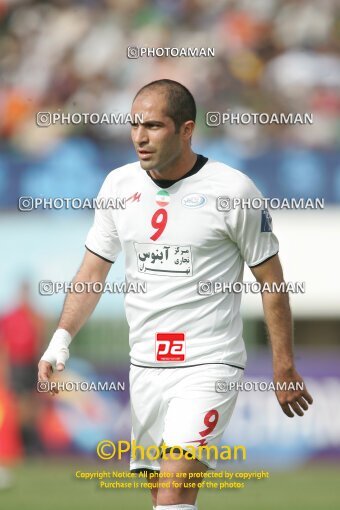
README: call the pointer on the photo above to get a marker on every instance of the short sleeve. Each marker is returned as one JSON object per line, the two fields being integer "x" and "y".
{"x": 250, "y": 226}
{"x": 102, "y": 239}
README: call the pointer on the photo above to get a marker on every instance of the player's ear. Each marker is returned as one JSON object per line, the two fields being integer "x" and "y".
{"x": 187, "y": 129}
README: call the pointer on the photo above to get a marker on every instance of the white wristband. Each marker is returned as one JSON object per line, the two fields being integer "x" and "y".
{"x": 57, "y": 350}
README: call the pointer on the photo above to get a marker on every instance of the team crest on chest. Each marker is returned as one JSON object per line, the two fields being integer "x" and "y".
{"x": 194, "y": 200}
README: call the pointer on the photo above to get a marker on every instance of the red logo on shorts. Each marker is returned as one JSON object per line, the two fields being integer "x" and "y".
{"x": 170, "y": 346}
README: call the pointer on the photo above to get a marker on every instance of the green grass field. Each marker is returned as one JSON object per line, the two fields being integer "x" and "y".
{"x": 40, "y": 485}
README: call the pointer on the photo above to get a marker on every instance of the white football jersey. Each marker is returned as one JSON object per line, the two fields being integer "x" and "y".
{"x": 174, "y": 236}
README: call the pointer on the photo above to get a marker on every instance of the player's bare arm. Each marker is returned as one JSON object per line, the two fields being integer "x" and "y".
{"x": 79, "y": 306}
{"x": 77, "y": 309}
{"x": 279, "y": 323}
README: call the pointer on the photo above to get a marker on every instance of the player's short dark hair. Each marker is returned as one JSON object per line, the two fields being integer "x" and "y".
{"x": 181, "y": 105}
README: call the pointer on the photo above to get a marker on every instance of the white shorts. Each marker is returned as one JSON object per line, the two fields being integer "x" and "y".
{"x": 181, "y": 407}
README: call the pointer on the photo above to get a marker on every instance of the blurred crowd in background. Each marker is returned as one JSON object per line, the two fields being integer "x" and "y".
{"x": 67, "y": 56}
{"x": 270, "y": 56}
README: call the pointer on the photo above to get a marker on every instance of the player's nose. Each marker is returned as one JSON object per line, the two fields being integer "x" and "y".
{"x": 140, "y": 135}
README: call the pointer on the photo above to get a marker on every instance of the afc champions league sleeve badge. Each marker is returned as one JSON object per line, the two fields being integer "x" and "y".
{"x": 266, "y": 221}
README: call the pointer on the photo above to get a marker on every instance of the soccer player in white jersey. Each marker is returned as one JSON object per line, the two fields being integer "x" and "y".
{"x": 184, "y": 337}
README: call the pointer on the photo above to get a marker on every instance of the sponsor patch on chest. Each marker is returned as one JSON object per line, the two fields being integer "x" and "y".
{"x": 164, "y": 259}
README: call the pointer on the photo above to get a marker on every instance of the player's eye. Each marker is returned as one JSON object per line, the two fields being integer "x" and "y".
{"x": 152, "y": 126}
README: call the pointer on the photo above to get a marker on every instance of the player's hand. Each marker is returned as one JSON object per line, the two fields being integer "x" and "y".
{"x": 45, "y": 372}
{"x": 295, "y": 400}
{"x": 55, "y": 356}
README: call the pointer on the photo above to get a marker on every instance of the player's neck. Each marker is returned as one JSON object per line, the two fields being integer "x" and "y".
{"x": 176, "y": 169}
